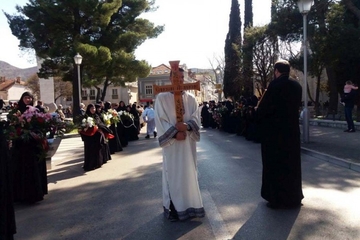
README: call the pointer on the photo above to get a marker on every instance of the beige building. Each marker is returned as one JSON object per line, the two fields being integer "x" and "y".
{"x": 160, "y": 75}
{"x": 12, "y": 89}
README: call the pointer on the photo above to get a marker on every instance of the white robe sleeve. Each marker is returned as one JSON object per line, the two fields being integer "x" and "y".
{"x": 165, "y": 118}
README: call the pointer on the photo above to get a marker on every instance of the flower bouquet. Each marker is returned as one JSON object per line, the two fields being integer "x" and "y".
{"x": 106, "y": 116}
{"x": 126, "y": 118}
{"x": 31, "y": 125}
{"x": 87, "y": 126}
{"x": 115, "y": 116}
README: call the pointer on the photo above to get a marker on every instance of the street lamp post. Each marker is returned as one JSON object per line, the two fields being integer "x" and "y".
{"x": 217, "y": 71}
{"x": 304, "y": 8}
{"x": 77, "y": 87}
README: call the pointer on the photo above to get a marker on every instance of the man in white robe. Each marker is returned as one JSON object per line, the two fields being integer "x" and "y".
{"x": 181, "y": 192}
{"x": 149, "y": 117}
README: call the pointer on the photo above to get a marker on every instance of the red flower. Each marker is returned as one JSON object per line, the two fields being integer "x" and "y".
{"x": 18, "y": 131}
{"x": 40, "y": 119}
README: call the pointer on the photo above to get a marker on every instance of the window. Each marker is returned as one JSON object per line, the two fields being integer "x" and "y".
{"x": 148, "y": 89}
{"x": 84, "y": 95}
{"x": 92, "y": 94}
{"x": 115, "y": 94}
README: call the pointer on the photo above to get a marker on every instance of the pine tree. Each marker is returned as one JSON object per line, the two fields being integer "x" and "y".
{"x": 105, "y": 33}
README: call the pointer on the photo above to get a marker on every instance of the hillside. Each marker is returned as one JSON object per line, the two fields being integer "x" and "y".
{"x": 11, "y": 72}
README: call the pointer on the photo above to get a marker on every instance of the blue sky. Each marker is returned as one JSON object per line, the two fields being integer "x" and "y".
{"x": 195, "y": 32}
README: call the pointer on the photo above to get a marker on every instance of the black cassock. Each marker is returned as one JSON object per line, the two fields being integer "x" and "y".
{"x": 7, "y": 214}
{"x": 115, "y": 144}
{"x": 278, "y": 125}
{"x": 30, "y": 174}
{"x": 94, "y": 154}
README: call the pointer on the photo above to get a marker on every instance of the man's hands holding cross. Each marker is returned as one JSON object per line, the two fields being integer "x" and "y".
{"x": 181, "y": 127}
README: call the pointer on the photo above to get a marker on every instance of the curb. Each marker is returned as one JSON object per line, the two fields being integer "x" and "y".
{"x": 331, "y": 159}
{"x": 70, "y": 135}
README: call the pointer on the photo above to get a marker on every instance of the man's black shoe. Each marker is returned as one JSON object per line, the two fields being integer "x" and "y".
{"x": 347, "y": 130}
{"x": 173, "y": 216}
{"x": 147, "y": 136}
{"x": 351, "y": 130}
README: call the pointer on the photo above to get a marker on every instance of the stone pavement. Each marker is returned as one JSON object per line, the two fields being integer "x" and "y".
{"x": 334, "y": 145}
{"x": 328, "y": 143}
{"x": 121, "y": 200}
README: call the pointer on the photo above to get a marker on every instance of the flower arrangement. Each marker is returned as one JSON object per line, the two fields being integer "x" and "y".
{"x": 115, "y": 116}
{"x": 106, "y": 116}
{"x": 237, "y": 110}
{"x": 87, "y": 126}
{"x": 218, "y": 113}
{"x": 126, "y": 118}
{"x": 31, "y": 125}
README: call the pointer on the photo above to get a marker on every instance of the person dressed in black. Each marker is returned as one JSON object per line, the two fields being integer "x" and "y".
{"x": 121, "y": 107}
{"x": 205, "y": 115}
{"x": 2, "y": 103}
{"x": 278, "y": 120}
{"x": 7, "y": 216}
{"x": 136, "y": 115}
{"x": 348, "y": 99}
{"x": 105, "y": 145}
{"x": 40, "y": 106}
{"x": 114, "y": 143}
{"x": 30, "y": 174}
{"x": 131, "y": 130}
{"x": 93, "y": 145}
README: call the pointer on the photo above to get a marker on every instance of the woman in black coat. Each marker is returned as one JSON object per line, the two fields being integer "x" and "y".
{"x": 30, "y": 174}
{"x": 114, "y": 143}
{"x": 93, "y": 145}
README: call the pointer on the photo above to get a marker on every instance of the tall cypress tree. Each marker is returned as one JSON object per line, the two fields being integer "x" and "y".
{"x": 247, "y": 52}
{"x": 232, "y": 77}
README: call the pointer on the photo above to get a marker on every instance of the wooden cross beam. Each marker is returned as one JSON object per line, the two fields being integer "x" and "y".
{"x": 177, "y": 87}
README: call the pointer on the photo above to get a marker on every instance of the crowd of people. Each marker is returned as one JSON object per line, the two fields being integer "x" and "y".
{"x": 116, "y": 125}
{"x": 107, "y": 128}
{"x": 232, "y": 117}
{"x": 24, "y": 145}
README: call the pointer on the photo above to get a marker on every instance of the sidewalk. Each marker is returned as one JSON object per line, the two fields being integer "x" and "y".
{"x": 334, "y": 145}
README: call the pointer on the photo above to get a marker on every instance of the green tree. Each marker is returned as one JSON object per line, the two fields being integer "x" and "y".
{"x": 233, "y": 84}
{"x": 105, "y": 33}
{"x": 247, "y": 51}
{"x": 264, "y": 53}
{"x": 328, "y": 29}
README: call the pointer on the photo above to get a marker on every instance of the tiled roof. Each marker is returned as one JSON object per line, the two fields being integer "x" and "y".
{"x": 6, "y": 85}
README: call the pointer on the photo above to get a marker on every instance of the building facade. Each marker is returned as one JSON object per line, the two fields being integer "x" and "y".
{"x": 160, "y": 76}
{"x": 12, "y": 89}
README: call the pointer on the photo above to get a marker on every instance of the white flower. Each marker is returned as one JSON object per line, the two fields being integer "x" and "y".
{"x": 90, "y": 121}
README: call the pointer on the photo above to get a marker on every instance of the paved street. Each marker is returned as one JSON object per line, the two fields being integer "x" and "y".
{"x": 122, "y": 200}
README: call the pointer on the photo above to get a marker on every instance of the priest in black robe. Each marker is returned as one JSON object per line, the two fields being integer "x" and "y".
{"x": 278, "y": 122}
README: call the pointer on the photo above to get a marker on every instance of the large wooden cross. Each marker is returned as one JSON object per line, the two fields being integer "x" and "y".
{"x": 177, "y": 87}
